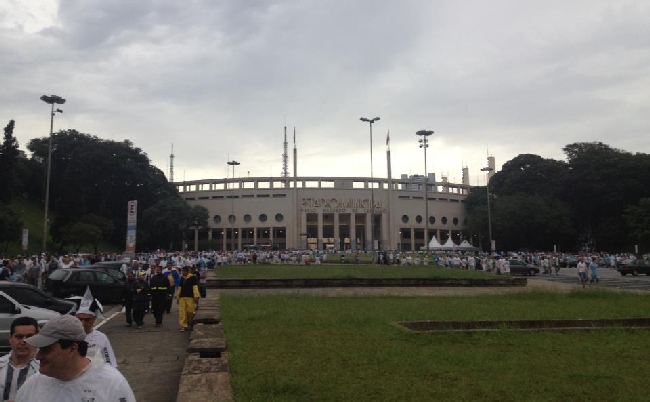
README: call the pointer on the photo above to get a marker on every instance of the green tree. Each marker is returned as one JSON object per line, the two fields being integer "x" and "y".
{"x": 9, "y": 155}
{"x": 165, "y": 222}
{"x": 533, "y": 175}
{"x": 10, "y": 225}
{"x": 531, "y": 222}
{"x": 80, "y": 234}
{"x": 105, "y": 225}
{"x": 638, "y": 221}
{"x": 96, "y": 176}
{"x": 604, "y": 181}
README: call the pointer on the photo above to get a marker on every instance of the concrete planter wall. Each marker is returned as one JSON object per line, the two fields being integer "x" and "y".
{"x": 362, "y": 282}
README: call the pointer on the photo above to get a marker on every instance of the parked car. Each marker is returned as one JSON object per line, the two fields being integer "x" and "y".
{"x": 518, "y": 267}
{"x": 634, "y": 267}
{"x": 30, "y": 295}
{"x": 10, "y": 309}
{"x": 112, "y": 267}
{"x": 570, "y": 261}
{"x": 66, "y": 282}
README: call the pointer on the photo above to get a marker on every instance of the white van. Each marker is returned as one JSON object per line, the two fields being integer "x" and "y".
{"x": 10, "y": 309}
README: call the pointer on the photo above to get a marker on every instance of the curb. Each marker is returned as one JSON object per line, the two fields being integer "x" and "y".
{"x": 206, "y": 376}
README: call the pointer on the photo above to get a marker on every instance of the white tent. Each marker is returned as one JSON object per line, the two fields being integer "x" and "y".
{"x": 465, "y": 246}
{"x": 435, "y": 246}
{"x": 433, "y": 243}
{"x": 449, "y": 244}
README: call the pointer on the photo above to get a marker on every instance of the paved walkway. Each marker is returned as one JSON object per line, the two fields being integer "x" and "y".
{"x": 150, "y": 358}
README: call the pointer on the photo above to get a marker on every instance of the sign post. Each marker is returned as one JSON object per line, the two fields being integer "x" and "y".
{"x": 131, "y": 226}
{"x": 25, "y": 239}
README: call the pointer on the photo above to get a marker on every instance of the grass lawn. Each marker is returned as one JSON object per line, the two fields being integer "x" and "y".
{"x": 307, "y": 348}
{"x": 342, "y": 271}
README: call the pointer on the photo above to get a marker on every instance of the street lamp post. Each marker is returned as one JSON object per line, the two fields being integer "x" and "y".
{"x": 487, "y": 171}
{"x": 51, "y": 100}
{"x": 231, "y": 219}
{"x": 372, "y": 190}
{"x": 424, "y": 144}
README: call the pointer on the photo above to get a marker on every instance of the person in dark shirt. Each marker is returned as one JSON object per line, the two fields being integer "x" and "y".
{"x": 159, "y": 286}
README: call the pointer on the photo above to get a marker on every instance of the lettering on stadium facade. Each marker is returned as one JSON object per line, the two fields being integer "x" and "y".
{"x": 337, "y": 204}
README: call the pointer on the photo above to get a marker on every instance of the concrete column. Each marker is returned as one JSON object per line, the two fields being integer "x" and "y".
{"x": 303, "y": 229}
{"x": 353, "y": 231}
{"x": 384, "y": 233}
{"x": 412, "y": 239}
{"x": 368, "y": 231}
{"x": 337, "y": 233}
{"x": 255, "y": 235}
{"x": 223, "y": 240}
{"x": 239, "y": 238}
{"x": 209, "y": 234}
{"x": 320, "y": 230}
{"x": 271, "y": 236}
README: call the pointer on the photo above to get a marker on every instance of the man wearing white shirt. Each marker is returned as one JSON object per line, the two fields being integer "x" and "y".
{"x": 19, "y": 364}
{"x": 65, "y": 373}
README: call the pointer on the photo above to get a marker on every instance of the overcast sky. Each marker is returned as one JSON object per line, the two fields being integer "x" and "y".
{"x": 218, "y": 79}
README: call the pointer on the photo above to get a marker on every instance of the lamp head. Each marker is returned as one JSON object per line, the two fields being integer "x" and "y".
{"x": 52, "y": 99}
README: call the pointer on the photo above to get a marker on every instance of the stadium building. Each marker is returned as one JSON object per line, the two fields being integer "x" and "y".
{"x": 330, "y": 212}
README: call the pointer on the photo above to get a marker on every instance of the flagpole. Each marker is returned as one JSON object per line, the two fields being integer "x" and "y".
{"x": 391, "y": 245}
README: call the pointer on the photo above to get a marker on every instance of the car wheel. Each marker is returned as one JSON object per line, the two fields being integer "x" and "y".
{"x": 531, "y": 272}
{"x": 623, "y": 273}
{"x": 635, "y": 273}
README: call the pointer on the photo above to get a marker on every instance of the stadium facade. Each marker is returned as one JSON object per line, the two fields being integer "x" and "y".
{"x": 330, "y": 212}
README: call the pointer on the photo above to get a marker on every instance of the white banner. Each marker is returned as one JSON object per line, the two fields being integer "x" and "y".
{"x": 131, "y": 225}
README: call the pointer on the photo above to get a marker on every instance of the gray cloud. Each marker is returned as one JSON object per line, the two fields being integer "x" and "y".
{"x": 218, "y": 79}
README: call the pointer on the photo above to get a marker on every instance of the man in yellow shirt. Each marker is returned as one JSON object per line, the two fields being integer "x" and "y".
{"x": 186, "y": 295}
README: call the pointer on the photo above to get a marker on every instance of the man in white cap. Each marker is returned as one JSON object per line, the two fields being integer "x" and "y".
{"x": 88, "y": 310}
{"x": 66, "y": 374}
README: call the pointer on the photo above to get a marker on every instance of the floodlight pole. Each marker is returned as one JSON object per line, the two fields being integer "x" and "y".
{"x": 372, "y": 191}
{"x": 51, "y": 100}
{"x": 424, "y": 144}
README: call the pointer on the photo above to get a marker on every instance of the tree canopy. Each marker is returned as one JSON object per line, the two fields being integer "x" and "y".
{"x": 92, "y": 181}
{"x": 9, "y": 154}
{"x": 593, "y": 200}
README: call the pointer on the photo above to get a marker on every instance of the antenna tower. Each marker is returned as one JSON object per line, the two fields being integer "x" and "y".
{"x": 285, "y": 154}
{"x": 171, "y": 165}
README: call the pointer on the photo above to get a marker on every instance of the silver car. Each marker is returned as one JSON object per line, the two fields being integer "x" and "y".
{"x": 10, "y": 309}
